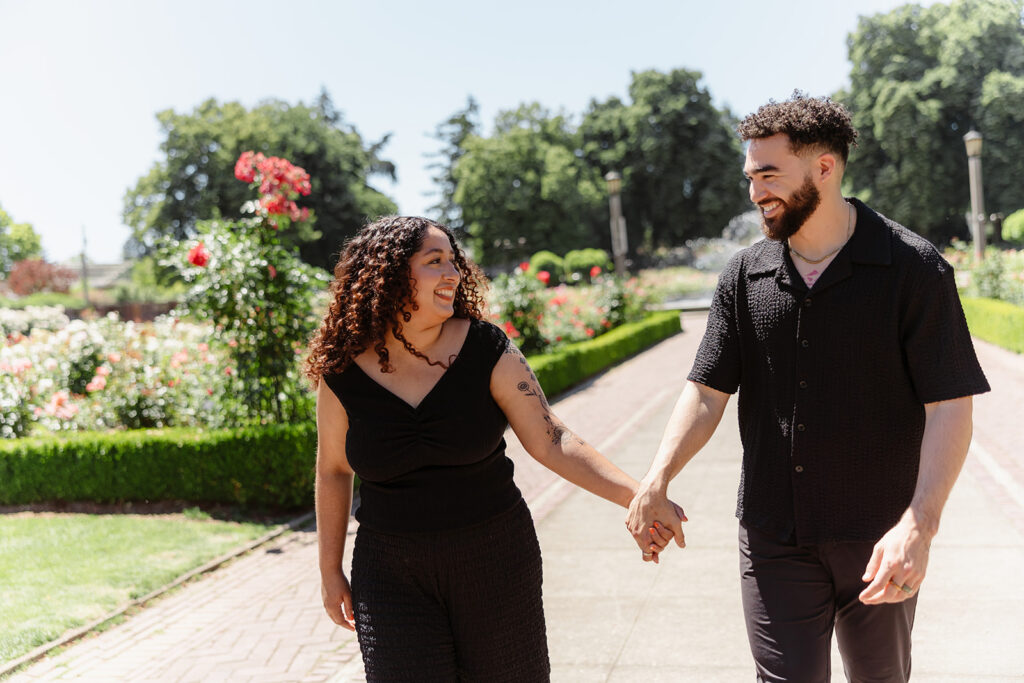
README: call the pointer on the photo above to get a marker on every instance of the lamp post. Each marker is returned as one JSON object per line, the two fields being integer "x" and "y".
{"x": 972, "y": 141}
{"x": 618, "y": 222}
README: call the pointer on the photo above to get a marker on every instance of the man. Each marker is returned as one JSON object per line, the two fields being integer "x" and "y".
{"x": 845, "y": 337}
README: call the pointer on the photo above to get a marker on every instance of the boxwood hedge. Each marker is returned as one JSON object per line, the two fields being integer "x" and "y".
{"x": 998, "y": 322}
{"x": 253, "y": 466}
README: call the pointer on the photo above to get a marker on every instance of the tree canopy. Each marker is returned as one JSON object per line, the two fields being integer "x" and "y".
{"x": 537, "y": 181}
{"x": 920, "y": 79}
{"x": 452, "y": 133}
{"x": 525, "y": 189}
{"x": 679, "y": 156}
{"x": 195, "y": 179}
{"x": 18, "y": 241}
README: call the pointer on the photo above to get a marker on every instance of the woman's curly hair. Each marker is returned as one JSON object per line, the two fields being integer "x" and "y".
{"x": 371, "y": 288}
{"x": 810, "y": 122}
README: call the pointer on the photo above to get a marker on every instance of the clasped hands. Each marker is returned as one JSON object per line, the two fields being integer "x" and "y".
{"x": 893, "y": 574}
{"x": 653, "y": 520}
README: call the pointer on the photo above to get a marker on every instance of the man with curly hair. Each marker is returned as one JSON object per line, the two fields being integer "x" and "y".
{"x": 844, "y": 335}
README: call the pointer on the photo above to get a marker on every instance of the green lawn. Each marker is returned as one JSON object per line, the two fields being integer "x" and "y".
{"x": 59, "y": 571}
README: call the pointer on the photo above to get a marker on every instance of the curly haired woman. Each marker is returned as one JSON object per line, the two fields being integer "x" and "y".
{"x": 414, "y": 392}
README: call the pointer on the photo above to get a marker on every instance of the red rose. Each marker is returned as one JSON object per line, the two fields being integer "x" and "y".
{"x": 595, "y": 271}
{"x": 273, "y": 271}
{"x": 544, "y": 276}
{"x": 524, "y": 266}
{"x": 198, "y": 256}
{"x": 243, "y": 167}
{"x": 273, "y": 204}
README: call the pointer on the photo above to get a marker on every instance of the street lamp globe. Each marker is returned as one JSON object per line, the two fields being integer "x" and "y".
{"x": 614, "y": 181}
{"x": 972, "y": 141}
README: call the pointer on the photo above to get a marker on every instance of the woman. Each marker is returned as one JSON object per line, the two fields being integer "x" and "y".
{"x": 414, "y": 391}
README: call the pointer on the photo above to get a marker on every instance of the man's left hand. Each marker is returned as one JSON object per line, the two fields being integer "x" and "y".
{"x": 898, "y": 564}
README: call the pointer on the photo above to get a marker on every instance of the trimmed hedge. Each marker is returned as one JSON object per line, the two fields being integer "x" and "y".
{"x": 561, "y": 369}
{"x": 253, "y": 466}
{"x": 998, "y": 322}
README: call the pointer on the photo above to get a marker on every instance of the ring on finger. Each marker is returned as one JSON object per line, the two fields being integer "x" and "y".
{"x": 648, "y": 554}
{"x": 905, "y": 588}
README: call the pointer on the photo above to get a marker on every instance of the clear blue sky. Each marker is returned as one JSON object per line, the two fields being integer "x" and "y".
{"x": 80, "y": 82}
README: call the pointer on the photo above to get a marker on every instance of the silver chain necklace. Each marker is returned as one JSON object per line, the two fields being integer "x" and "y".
{"x": 849, "y": 228}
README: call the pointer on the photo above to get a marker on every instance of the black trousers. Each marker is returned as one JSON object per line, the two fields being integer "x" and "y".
{"x": 793, "y": 598}
{"x": 462, "y": 605}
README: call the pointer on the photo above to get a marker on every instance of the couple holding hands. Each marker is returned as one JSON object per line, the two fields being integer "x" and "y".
{"x": 843, "y": 334}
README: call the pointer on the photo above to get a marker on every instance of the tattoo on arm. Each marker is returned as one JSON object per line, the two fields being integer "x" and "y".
{"x": 556, "y": 431}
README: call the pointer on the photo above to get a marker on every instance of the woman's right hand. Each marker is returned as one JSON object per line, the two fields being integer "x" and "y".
{"x": 337, "y": 597}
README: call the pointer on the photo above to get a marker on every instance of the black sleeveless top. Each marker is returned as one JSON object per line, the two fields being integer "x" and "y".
{"x": 441, "y": 465}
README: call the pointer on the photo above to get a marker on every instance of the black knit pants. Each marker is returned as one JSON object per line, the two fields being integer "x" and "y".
{"x": 461, "y": 605}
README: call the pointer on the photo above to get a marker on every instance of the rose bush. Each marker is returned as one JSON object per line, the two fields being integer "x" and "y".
{"x": 20, "y": 322}
{"x": 999, "y": 276}
{"x": 257, "y": 294}
{"x": 105, "y": 374}
{"x": 537, "y": 317}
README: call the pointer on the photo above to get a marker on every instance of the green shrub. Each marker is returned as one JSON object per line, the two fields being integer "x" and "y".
{"x": 254, "y": 466}
{"x": 998, "y": 322}
{"x": 572, "y": 364}
{"x": 579, "y": 262}
{"x": 550, "y": 262}
{"x": 259, "y": 296}
{"x": 1013, "y": 227}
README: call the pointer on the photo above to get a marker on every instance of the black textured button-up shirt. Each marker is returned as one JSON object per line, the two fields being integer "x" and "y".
{"x": 833, "y": 379}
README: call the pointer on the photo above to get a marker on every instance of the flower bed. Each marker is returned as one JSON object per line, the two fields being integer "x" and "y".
{"x": 107, "y": 374}
{"x": 538, "y": 317}
{"x": 999, "y": 276}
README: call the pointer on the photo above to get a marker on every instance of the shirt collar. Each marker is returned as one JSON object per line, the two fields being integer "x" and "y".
{"x": 869, "y": 244}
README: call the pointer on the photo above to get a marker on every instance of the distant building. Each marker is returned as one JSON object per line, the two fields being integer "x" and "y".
{"x": 102, "y": 276}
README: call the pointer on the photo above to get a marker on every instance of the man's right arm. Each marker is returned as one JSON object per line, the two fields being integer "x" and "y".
{"x": 694, "y": 419}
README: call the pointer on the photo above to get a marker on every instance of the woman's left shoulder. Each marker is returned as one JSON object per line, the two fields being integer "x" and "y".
{"x": 490, "y": 337}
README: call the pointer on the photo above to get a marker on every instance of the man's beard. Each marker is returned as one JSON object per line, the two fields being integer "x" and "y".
{"x": 794, "y": 212}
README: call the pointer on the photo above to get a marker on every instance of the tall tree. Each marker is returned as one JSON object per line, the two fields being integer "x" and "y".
{"x": 525, "y": 188}
{"x": 18, "y": 241}
{"x": 452, "y": 133}
{"x": 679, "y": 156}
{"x": 920, "y": 79}
{"x": 195, "y": 179}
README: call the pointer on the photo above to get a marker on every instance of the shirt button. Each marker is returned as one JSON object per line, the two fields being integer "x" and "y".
{"x": 800, "y": 428}
{"x": 807, "y": 302}
{"x": 799, "y": 468}
{"x": 804, "y": 343}
{"x": 803, "y": 384}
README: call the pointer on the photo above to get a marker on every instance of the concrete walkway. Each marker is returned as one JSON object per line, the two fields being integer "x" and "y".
{"x": 610, "y": 616}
